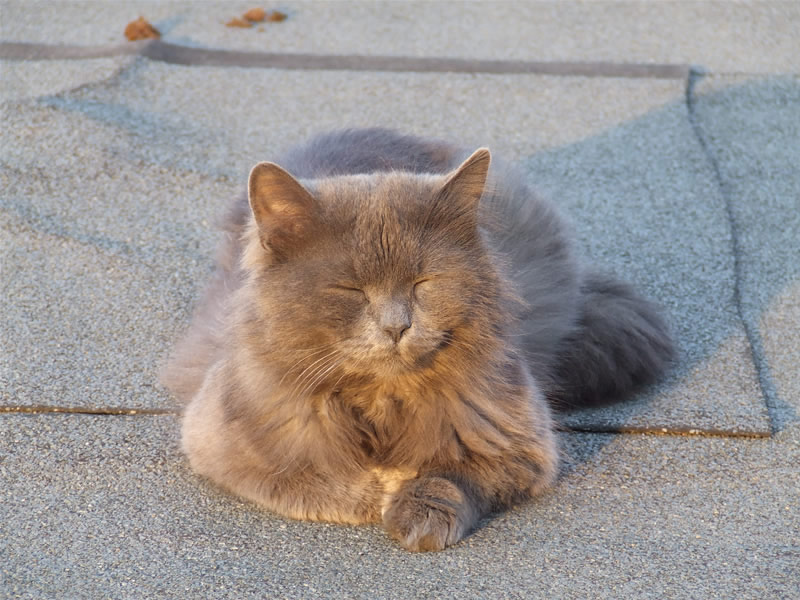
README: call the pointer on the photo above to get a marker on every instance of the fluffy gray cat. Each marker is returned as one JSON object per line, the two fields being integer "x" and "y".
{"x": 388, "y": 326}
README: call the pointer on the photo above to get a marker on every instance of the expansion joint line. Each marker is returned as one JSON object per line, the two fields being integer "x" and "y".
{"x": 86, "y": 410}
{"x": 665, "y": 431}
{"x": 695, "y": 75}
{"x": 177, "y": 54}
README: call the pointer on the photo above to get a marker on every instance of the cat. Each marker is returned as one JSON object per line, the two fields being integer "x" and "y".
{"x": 389, "y": 327}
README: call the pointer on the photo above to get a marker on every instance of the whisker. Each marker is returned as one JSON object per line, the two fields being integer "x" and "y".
{"x": 310, "y": 352}
{"x": 354, "y": 369}
{"x": 322, "y": 347}
{"x": 311, "y": 372}
{"x": 306, "y": 357}
{"x": 319, "y": 377}
{"x": 311, "y": 368}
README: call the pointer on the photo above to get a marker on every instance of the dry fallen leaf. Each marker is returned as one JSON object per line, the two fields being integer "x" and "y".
{"x": 237, "y": 22}
{"x": 140, "y": 30}
{"x": 276, "y": 16}
{"x": 255, "y": 15}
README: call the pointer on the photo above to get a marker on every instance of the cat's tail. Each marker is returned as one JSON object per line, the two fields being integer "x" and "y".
{"x": 621, "y": 342}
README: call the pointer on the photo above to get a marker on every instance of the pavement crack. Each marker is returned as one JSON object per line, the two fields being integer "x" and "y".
{"x": 668, "y": 431}
{"x": 87, "y": 410}
{"x": 768, "y": 393}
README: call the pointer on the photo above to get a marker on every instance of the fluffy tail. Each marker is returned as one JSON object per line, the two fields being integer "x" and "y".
{"x": 621, "y": 343}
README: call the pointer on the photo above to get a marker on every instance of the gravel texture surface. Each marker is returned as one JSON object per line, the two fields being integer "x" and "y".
{"x": 224, "y": 119}
{"x": 30, "y": 79}
{"x": 632, "y": 516}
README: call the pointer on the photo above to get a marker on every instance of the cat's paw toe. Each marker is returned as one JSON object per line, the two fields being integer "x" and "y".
{"x": 428, "y": 515}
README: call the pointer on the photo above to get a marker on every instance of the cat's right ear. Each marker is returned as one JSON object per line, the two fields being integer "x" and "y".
{"x": 282, "y": 208}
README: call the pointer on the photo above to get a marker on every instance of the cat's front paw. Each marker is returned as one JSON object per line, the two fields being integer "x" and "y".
{"x": 429, "y": 514}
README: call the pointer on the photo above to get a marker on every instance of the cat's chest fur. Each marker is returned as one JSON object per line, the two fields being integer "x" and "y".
{"x": 379, "y": 417}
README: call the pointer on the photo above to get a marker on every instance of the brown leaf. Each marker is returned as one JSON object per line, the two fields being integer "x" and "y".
{"x": 140, "y": 30}
{"x": 255, "y": 15}
{"x": 237, "y": 22}
{"x": 276, "y": 16}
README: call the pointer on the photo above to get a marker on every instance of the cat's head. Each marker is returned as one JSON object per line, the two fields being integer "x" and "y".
{"x": 375, "y": 275}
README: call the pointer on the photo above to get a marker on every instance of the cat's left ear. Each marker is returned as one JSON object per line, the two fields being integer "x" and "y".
{"x": 463, "y": 189}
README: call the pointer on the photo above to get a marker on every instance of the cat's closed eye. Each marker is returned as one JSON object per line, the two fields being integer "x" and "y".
{"x": 421, "y": 286}
{"x": 349, "y": 290}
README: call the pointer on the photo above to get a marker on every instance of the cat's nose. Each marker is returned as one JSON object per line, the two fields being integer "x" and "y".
{"x": 396, "y": 330}
{"x": 394, "y": 318}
